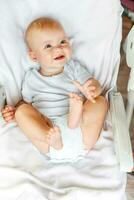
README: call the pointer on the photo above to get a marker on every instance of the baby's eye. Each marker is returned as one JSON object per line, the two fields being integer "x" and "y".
{"x": 48, "y": 46}
{"x": 64, "y": 42}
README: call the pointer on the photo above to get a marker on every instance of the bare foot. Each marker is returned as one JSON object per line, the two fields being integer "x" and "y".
{"x": 75, "y": 110}
{"x": 55, "y": 139}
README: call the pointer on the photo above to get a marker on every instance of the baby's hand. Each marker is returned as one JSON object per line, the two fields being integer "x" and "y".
{"x": 90, "y": 89}
{"x": 8, "y": 113}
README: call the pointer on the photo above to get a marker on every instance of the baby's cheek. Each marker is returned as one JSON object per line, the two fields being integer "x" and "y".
{"x": 68, "y": 51}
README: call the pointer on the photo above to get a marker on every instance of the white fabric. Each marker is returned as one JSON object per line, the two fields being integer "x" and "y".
{"x": 50, "y": 94}
{"x": 25, "y": 174}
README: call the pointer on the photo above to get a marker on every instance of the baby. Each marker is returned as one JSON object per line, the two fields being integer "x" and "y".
{"x": 61, "y": 86}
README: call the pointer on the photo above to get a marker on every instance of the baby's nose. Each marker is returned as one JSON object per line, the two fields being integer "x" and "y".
{"x": 58, "y": 47}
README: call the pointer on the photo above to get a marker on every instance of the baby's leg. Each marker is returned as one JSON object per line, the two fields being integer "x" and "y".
{"x": 36, "y": 127}
{"x": 55, "y": 137}
{"x": 92, "y": 120}
{"x": 75, "y": 110}
{"x": 52, "y": 139}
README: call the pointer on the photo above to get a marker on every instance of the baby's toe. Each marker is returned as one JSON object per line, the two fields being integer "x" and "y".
{"x": 57, "y": 129}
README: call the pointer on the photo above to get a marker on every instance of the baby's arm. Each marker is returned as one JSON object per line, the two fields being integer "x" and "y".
{"x": 90, "y": 89}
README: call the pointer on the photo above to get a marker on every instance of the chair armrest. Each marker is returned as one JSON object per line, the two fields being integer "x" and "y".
{"x": 130, "y": 107}
{"x": 2, "y": 102}
{"x": 2, "y": 97}
{"x": 121, "y": 132}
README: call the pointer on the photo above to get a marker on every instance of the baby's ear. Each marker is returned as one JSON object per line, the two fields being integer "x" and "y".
{"x": 32, "y": 56}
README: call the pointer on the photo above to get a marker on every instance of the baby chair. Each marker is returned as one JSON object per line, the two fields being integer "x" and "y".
{"x": 25, "y": 173}
{"x": 130, "y": 62}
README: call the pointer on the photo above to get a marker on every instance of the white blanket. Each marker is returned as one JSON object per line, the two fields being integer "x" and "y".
{"x": 25, "y": 174}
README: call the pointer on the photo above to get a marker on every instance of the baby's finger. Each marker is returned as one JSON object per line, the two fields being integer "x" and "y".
{"x": 88, "y": 83}
{"x": 51, "y": 131}
{"x": 91, "y": 98}
{"x": 56, "y": 128}
{"x": 11, "y": 108}
{"x": 71, "y": 94}
{"x": 8, "y": 119}
{"x": 3, "y": 111}
{"x": 78, "y": 85}
{"x": 48, "y": 136}
{"x": 8, "y": 108}
{"x": 6, "y": 114}
{"x": 79, "y": 98}
{"x": 92, "y": 94}
{"x": 91, "y": 88}
{"x": 47, "y": 140}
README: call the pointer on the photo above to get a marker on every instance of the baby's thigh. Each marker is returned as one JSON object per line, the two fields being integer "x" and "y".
{"x": 95, "y": 111}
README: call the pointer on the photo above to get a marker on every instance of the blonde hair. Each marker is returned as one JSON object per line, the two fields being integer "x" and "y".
{"x": 43, "y": 23}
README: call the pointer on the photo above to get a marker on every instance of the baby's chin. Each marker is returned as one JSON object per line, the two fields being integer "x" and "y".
{"x": 61, "y": 63}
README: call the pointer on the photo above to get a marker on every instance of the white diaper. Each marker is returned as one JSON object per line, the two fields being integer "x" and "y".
{"x": 73, "y": 148}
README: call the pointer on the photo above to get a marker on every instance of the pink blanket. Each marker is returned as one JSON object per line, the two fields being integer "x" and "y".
{"x": 129, "y": 4}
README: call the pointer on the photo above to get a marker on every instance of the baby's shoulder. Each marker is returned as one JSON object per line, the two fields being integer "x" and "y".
{"x": 72, "y": 65}
{"x": 29, "y": 77}
{"x": 29, "y": 74}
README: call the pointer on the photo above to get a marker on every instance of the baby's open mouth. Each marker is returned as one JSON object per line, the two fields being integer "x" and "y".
{"x": 59, "y": 57}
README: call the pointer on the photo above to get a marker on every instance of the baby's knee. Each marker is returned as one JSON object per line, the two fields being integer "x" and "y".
{"x": 95, "y": 111}
{"x": 20, "y": 110}
{"x": 102, "y": 103}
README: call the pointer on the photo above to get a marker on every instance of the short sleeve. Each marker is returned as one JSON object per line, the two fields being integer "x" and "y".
{"x": 81, "y": 73}
{"x": 26, "y": 92}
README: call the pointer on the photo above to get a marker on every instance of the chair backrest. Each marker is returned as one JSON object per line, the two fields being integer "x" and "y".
{"x": 94, "y": 26}
{"x": 130, "y": 62}
{"x": 130, "y": 48}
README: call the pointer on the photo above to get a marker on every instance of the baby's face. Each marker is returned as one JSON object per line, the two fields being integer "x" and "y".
{"x": 51, "y": 48}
